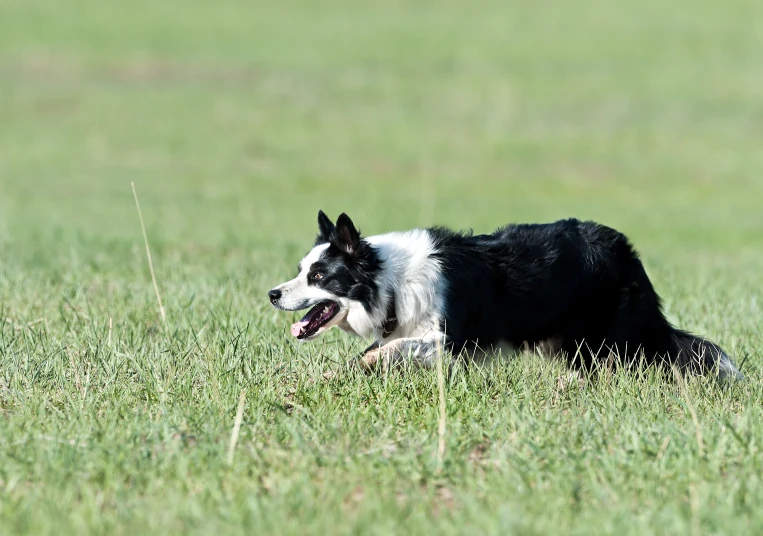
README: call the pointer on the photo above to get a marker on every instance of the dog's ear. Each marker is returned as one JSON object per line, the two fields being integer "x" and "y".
{"x": 347, "y": 237}
{"x": 325, "y": 228}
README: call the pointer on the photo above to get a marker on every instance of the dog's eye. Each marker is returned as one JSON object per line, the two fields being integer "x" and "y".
{"x": 317, "y": 275}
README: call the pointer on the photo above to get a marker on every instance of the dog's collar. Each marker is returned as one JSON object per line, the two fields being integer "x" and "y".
{"x": 390, "y": 323}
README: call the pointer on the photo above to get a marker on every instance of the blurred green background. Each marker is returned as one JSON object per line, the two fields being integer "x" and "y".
{"x": 239, "y": 120}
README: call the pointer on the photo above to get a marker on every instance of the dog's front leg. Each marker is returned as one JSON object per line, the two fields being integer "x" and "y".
{"x": 421, "y": 353}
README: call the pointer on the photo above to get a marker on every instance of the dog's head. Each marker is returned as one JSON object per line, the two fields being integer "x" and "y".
{"x": 336, "y": 281}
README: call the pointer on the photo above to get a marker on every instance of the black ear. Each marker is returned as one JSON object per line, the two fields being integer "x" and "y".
{"x": 347, "y": 237}
{"x": 325, "y": 228}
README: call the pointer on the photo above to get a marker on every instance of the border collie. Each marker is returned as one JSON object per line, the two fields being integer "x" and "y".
{"x": 570, "y": 288}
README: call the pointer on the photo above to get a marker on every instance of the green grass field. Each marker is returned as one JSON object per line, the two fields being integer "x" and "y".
{"x": 238, "y": 121}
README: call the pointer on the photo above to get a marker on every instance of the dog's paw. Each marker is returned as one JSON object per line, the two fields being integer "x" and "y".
{"x": 330, "y": 375}
{"x": 369, "y": 361}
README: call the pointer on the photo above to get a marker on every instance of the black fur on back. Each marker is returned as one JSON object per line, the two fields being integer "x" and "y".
{"x": 578, "y": 286}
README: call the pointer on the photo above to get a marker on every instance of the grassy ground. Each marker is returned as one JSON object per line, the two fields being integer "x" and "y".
{"x": 237, "y": 122}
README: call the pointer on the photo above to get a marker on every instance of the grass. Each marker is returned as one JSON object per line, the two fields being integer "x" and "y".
{"x": 237, "y": 122}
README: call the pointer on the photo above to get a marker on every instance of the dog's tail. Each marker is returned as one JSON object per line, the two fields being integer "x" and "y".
{"x": 695, "y": 354}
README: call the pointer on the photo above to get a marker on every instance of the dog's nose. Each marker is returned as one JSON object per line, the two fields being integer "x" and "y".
{"x": 274, "y": 295}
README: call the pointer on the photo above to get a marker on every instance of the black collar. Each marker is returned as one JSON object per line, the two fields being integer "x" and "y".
{"x": 390, "y": 323}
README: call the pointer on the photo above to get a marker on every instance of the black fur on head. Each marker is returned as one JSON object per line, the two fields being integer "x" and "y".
{"x": 347, "y": 237}
{"x": 343, "y": 235}
{"x": 325, "y": 229}
{"x": 350, "y": 263}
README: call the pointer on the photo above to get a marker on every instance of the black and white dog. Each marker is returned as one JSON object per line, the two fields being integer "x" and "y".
{"x": 571, "y": 288}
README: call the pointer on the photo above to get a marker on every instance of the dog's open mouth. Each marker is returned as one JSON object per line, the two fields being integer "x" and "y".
{"x": 315, "y": 318}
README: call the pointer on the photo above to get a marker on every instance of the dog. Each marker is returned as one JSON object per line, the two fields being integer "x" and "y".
{"x": 572, "y": 288}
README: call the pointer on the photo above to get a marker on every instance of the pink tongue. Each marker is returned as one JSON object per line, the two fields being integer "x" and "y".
{"x": 296, "y": 328}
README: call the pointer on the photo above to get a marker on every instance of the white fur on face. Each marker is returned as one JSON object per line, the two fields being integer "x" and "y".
{"x": 409, "y": 271}
{"x": 297, "y": 294}
{"x": 352, "y": 317}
